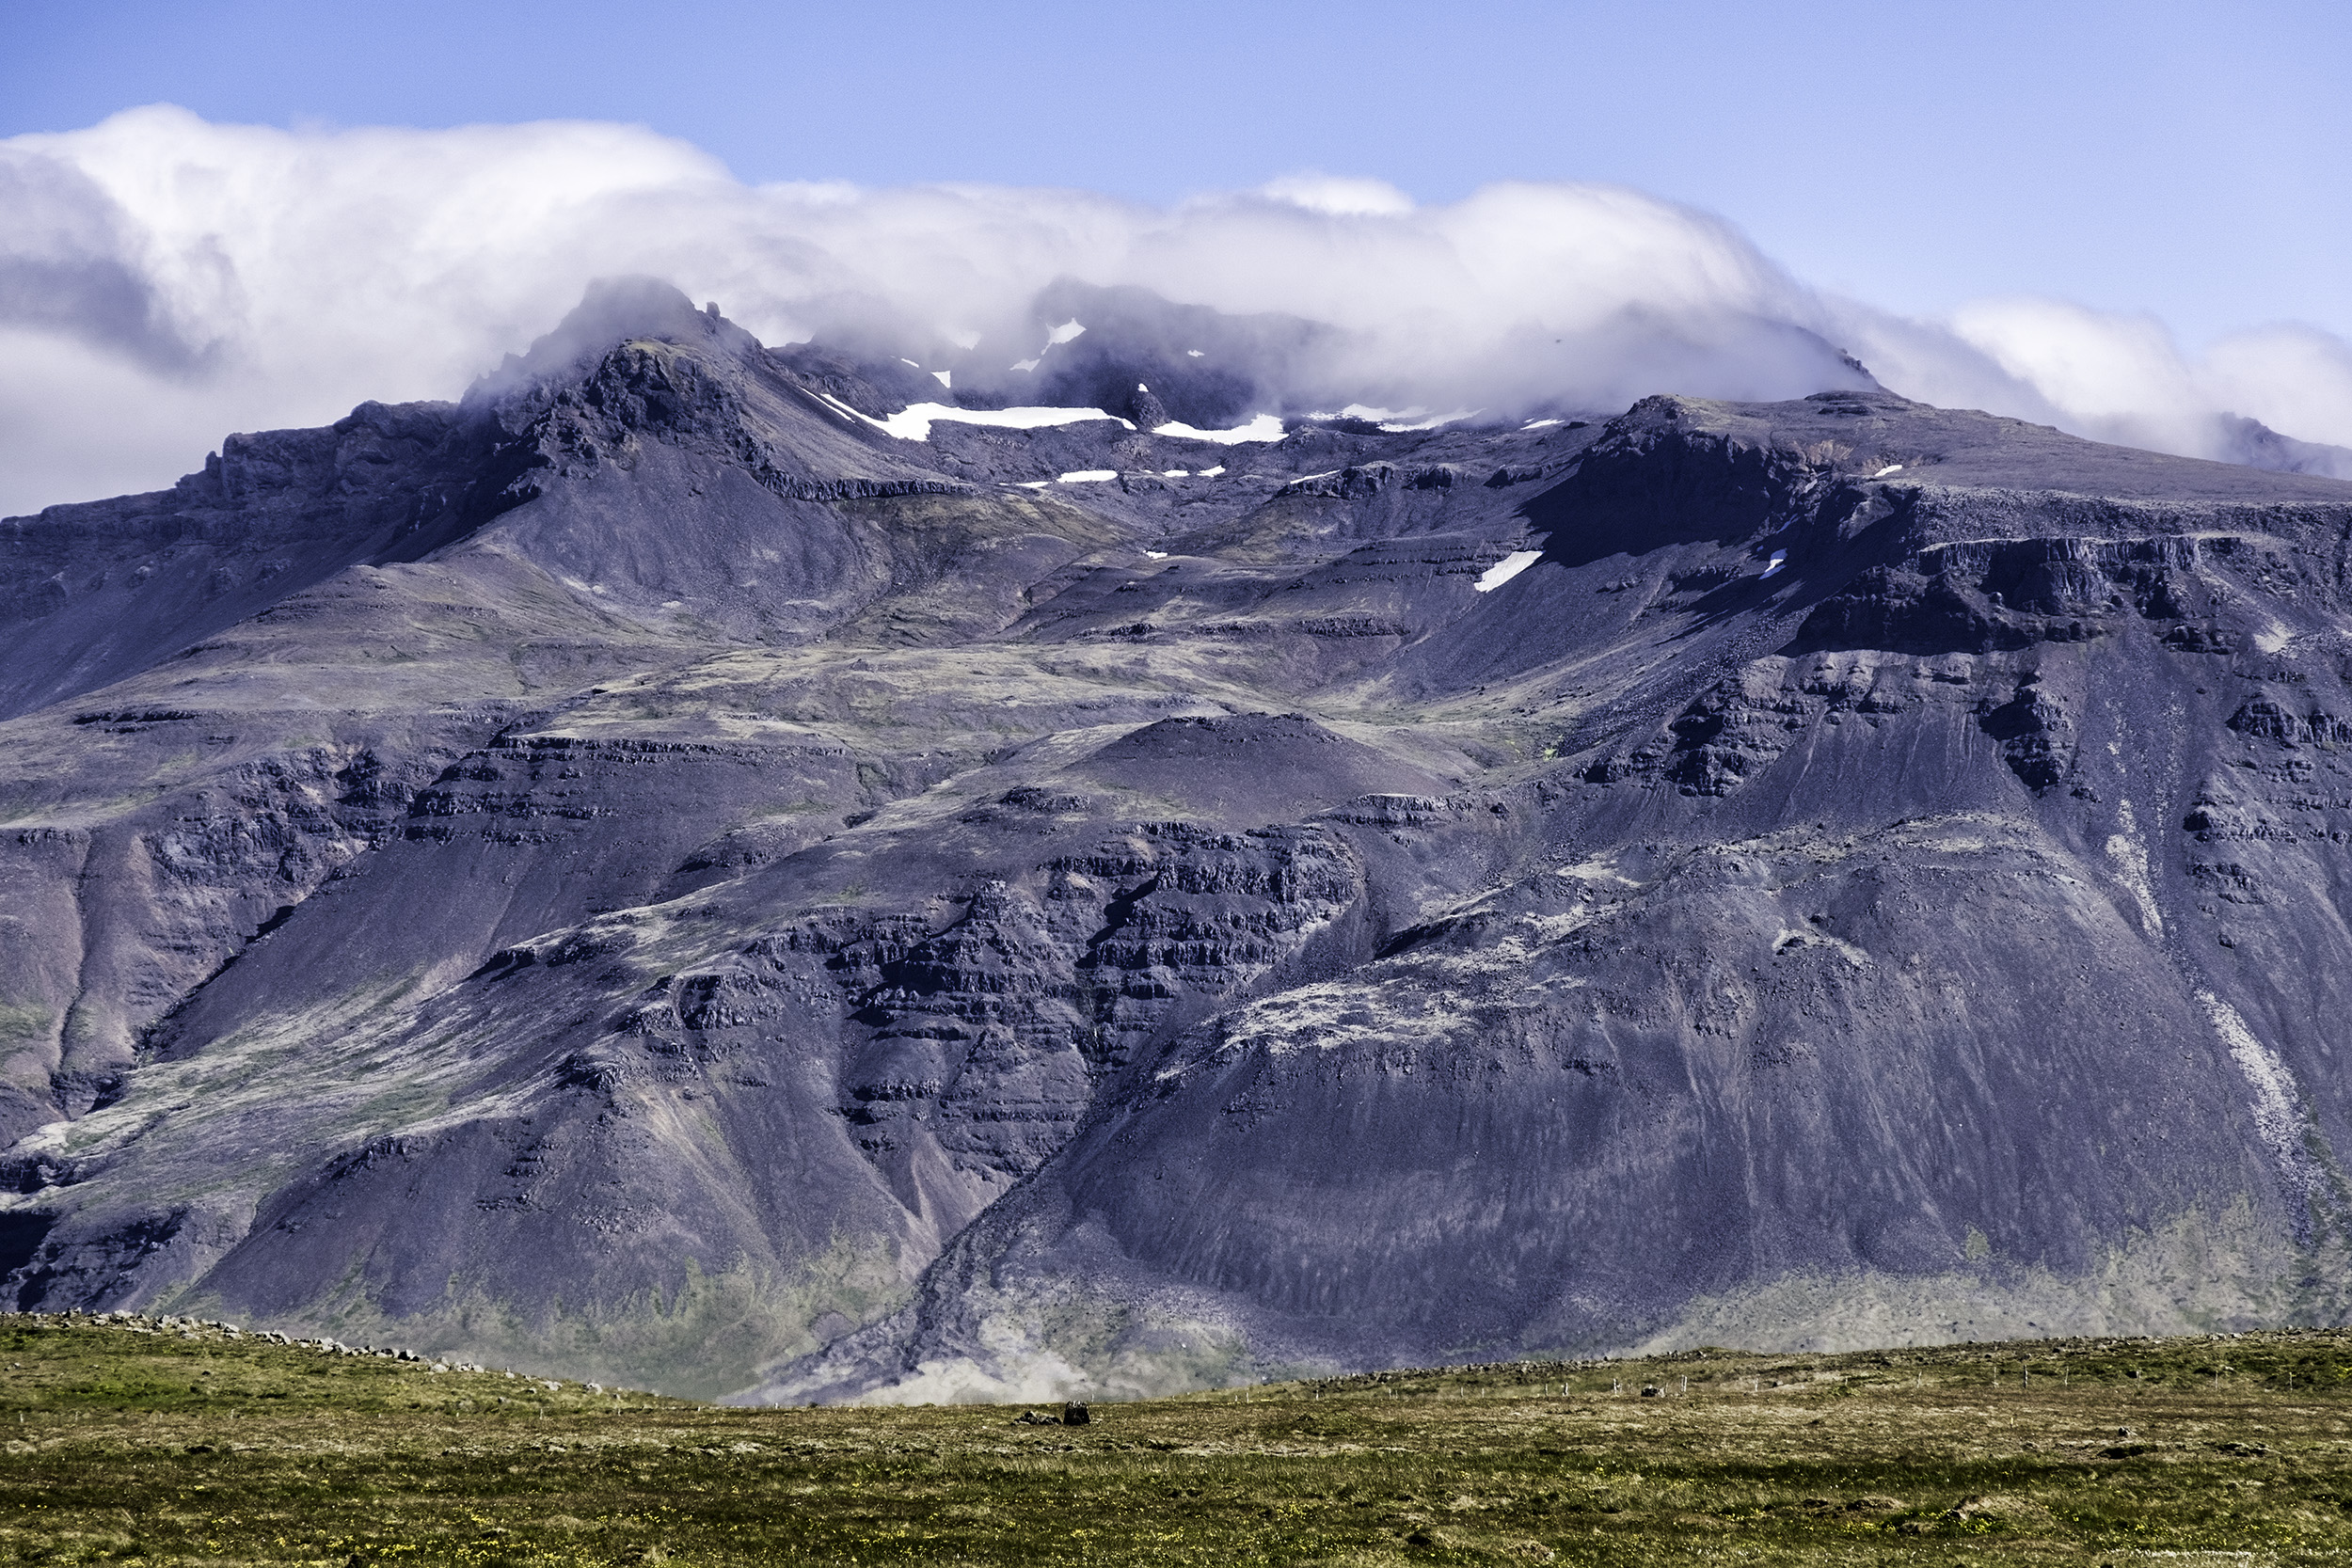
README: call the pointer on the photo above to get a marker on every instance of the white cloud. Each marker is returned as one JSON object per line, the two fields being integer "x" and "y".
{"x": 2296, "y": 379}
{"x": 1339, "y": 196}
{"x": 2122, "y": 378}
{"x": 2122, "y": 374}
{"x": 164, "y": 280}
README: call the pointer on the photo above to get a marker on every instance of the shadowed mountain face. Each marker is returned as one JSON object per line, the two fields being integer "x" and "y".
{"x": 646, "y": 872}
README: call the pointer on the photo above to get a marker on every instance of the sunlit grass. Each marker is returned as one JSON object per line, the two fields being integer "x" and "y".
{"x": 193, "y": 1448}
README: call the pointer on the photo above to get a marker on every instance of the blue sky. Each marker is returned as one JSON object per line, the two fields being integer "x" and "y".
{"x": 2130, "y": 221}
{"x": 2191, "y": 161}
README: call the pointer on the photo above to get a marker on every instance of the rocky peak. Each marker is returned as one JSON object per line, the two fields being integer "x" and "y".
{"x": 646, "y": 872}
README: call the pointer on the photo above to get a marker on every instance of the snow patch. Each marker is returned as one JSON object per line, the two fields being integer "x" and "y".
{"x": 1065, "y": 332}
{"x": 1023, "y": 365}
{"x": 904, "y": 361}
{"x": 1089, "y": 476}
{"x": 1175, "y": 474}
{"x": 1031, "y": 484}
{"x": 913, "y": 422}
{"x": 1504, "y": 570}
{"x": 1395, "y": 428}
{"x": 1265, "y": 427}
{"x": 944, "y": 377}
{"x": 1780, "y": 559}
{"x": 1156, "y": 554}
{"x": 1211, "y": 473}
{"x": 1537, "y": 424}
{"x": 1397, "y": 422}
{"x": 1890, "y": 469}
{"x": 841, "y": 408}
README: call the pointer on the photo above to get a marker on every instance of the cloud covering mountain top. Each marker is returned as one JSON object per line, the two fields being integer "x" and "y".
{"x": 165, "y": 280}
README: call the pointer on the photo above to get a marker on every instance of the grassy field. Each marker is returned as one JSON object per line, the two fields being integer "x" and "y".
{"x": 148, "y": 1443}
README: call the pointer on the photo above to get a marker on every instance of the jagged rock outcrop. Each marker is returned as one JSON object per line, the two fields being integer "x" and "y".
{"x": 644, "y": 872}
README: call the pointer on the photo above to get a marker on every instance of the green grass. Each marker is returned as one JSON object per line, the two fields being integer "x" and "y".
{"x": 25, "y": 1023}
{"x": 194, "y": 1447}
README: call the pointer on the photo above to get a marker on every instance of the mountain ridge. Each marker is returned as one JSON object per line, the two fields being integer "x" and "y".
{"x": 679, "y": 884}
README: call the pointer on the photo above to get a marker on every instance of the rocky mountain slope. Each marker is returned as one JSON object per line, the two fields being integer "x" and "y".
{"x": 715, "y": 867}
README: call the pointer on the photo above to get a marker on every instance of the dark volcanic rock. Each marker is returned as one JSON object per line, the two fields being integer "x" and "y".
{"x": 643, "y": 873}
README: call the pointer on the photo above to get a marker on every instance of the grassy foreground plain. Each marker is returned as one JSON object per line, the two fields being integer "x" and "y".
{"x": 150, "y": 1443}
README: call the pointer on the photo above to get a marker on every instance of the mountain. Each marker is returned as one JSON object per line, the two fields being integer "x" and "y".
{"x": 720, "y": 868}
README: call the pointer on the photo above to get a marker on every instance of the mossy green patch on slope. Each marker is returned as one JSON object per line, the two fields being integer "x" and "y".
{"x": 705, "y": 1337}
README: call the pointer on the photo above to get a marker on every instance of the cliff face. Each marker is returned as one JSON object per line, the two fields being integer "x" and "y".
{"x": 644, "y": 872}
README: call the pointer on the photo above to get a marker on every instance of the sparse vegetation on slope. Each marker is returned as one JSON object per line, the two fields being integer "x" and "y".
{"x": 146, "y": 1441}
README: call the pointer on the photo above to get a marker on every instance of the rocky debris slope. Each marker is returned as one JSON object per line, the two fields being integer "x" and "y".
{"x": 677, "y": 883}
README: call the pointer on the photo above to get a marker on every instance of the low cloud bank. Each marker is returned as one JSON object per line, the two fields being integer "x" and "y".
{"x": 164, "y": 280}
